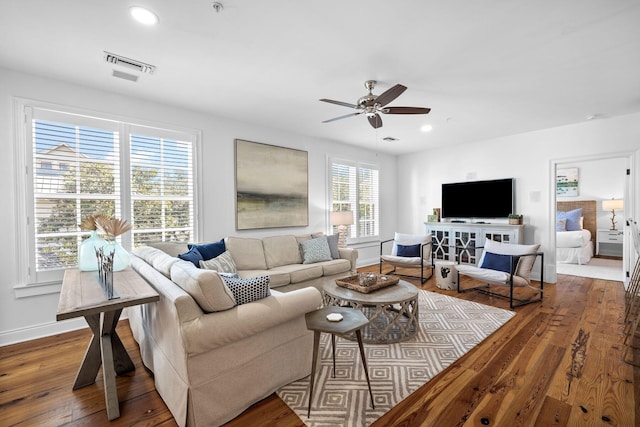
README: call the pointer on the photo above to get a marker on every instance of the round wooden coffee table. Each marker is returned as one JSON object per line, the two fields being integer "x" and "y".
{"x": 392, "y": 311}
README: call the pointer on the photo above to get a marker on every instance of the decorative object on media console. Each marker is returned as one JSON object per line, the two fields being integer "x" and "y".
{"x": 372, "y": 105}
{"x": 113, "y": 228}
{"x": 342, "y": 219}
{"x": 515, "y": 219}
{"x": 272, "y": 187}
{"x": 612, "y": 205}
{"x": 87, "y": 251}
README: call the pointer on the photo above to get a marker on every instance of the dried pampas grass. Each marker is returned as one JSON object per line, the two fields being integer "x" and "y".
{"x": 112, "y": 227}
{"x": 90, "y": 222}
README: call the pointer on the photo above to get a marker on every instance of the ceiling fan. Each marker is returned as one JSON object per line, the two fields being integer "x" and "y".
{"x": 372, "y": 105}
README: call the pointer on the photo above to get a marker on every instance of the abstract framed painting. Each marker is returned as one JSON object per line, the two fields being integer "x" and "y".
{"x": 567, "y": 182}
{"x": 272, "y": 186}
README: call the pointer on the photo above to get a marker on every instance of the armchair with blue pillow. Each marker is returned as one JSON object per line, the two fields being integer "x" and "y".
{"x": 409, "y": 251}
{"x": 505, "y": 265}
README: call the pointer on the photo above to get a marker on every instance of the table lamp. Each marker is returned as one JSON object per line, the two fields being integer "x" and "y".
{"x": 342, "y": 219}
{"x": 612, "y": 205}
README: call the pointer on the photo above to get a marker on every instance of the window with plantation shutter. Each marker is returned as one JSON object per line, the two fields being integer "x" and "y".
{"x": 77, "y": 165}
{"x": 161, "y": 189}
{"x": 354, "y": 187}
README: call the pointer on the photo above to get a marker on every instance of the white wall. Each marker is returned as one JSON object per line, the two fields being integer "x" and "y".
{"x": 526, "y": 157}
{"x": 27, "y": 318}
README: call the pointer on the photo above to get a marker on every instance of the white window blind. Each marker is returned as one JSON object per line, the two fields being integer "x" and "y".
{"x": 161, "y": 189}
{"x": 76, "y": 173}
{"x": 78, "y": 165}
{"x": 354, "y": 187}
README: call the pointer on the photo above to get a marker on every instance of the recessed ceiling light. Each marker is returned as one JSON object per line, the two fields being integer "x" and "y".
{"x": 426, "y": 128}
{"x": 143, "y": 16}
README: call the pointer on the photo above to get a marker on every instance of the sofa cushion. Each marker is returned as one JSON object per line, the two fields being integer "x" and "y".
{"x": 277, "y": 277}
{"x": 194, "y": 256}
{"x": 204, "y": 286}
{"x": 315, "y": 250}
{"x": 335, "y": 266}
{"x": 171, "y": 248}
{"x": 158, "y": 259}
{"x": 247, "y": 253}
{"x": 248, "y": 290}
{"x": 300, "y": 272}
{"x": 210, "y": 250}
{"x": 281, "y": 250}
{"x": 223, "y": 263}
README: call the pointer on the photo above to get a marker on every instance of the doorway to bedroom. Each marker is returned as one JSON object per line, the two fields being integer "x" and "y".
{"x": 590, "y": 240}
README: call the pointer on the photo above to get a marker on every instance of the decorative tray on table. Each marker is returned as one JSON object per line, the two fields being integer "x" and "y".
{"x": 367, "y": 282}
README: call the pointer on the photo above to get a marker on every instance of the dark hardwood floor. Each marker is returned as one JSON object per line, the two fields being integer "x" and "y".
{"x": 557, "y": 363}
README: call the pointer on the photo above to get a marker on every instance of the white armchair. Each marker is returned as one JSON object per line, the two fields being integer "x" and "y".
{"x": 412, "y": 251}
{"x": 508, "y": 265}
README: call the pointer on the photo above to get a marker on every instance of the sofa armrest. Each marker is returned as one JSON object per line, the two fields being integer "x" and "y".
{"x": 351, "y": 255}
{"x": 221, "y": 328}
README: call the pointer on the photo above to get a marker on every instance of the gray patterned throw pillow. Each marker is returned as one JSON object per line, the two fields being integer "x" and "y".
{"x": 315, "y": 250}
{"x": 222, "y": 263}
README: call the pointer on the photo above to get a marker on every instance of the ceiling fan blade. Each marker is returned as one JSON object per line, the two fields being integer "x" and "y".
{"x": 390, "y": 94}
{"x": 406, "y": 110}
{"x": 342, "y": 117}
{"x": 375, "y": 121}
{"x": 344, "y": 104}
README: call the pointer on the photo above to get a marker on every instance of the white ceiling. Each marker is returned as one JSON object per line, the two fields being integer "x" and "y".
{"x": 486, "y": 68}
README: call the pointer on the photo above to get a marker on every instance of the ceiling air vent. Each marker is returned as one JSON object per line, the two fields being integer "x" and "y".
{"x": 129, "y": 63}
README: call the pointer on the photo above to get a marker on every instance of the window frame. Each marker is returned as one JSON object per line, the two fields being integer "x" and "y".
{"x": 27, "y": 281}
{"x": 358, "y": 165}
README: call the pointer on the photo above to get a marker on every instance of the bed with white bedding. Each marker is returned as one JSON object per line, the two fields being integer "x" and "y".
{"x": 576, "y": 246}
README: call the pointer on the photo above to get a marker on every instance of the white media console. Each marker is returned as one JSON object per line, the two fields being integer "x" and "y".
{"x": 449, "y": 237}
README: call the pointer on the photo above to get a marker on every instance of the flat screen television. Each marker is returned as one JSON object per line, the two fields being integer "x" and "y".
{"x": 478, "y": 199}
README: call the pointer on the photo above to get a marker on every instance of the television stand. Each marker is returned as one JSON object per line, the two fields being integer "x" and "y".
{"x": 450, "y": 237}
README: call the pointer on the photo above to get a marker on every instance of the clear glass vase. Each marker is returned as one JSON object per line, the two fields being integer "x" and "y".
{"x": 87, "y": 260}
{"x": 121, "y": 257}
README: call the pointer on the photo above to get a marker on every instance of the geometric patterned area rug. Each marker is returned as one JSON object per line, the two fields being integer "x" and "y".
{"x": 449, "y": 328}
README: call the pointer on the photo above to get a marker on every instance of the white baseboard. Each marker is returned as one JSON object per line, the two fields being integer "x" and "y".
{"x": 40, "y": 331}
{"x": 33, "y": 332}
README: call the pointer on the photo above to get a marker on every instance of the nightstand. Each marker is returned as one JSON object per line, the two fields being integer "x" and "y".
{"x": 609, "y": 242}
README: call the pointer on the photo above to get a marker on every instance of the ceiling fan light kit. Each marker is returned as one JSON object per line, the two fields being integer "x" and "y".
{"x": 374, "y": 105}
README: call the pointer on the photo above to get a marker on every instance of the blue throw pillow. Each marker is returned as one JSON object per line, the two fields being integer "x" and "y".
{"x": 572, "y": 217}
{"x": 193, "y": 255}
{"x": 210, "y": 250}
{"x": 497, "y": 262}
{"x": 409, "y": 251}
{"x": 248, "y": 290}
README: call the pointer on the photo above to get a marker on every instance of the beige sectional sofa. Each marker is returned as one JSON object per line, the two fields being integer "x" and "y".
{"x": 211, "y": 358}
